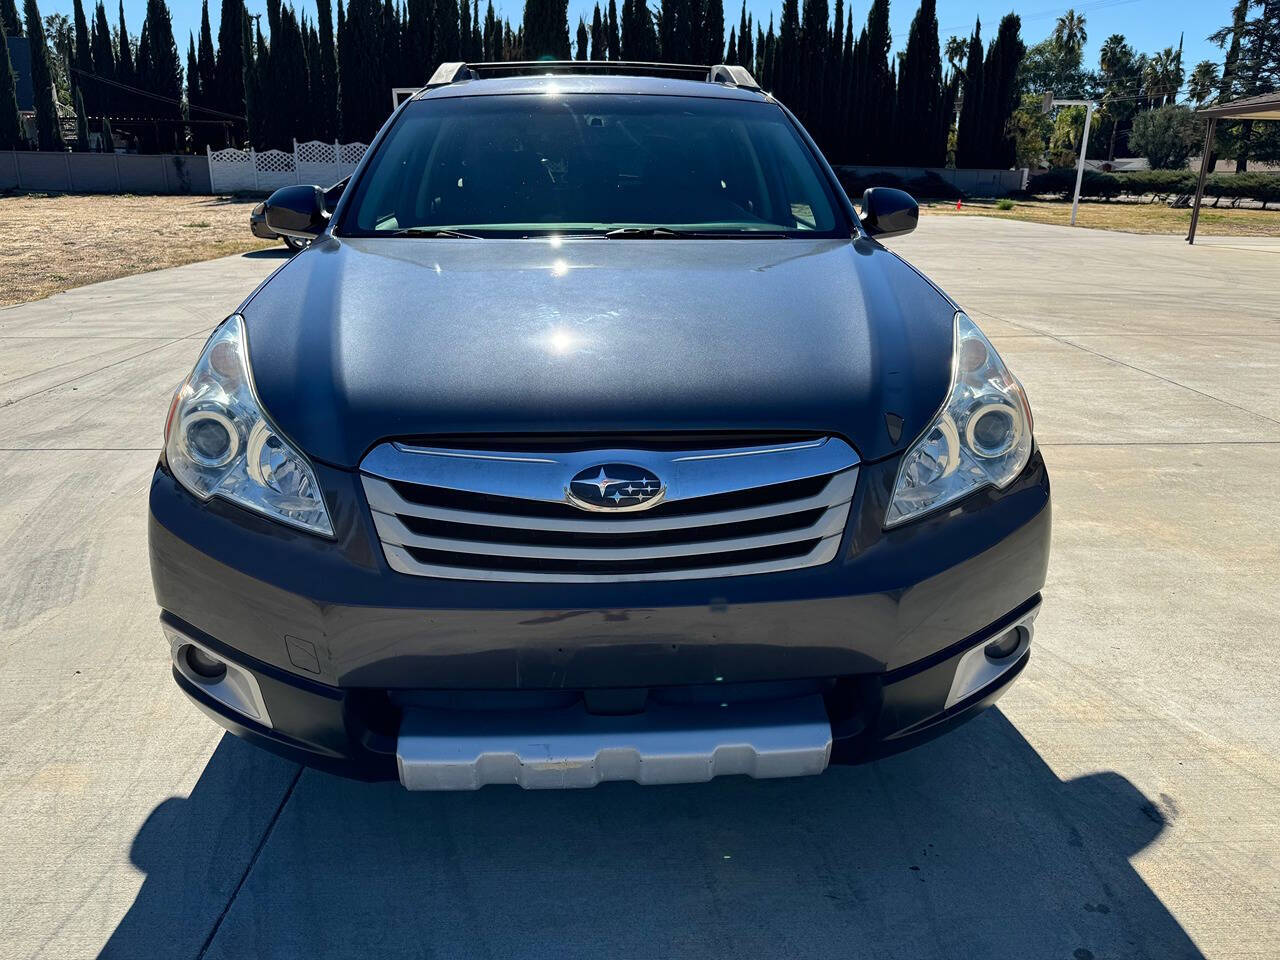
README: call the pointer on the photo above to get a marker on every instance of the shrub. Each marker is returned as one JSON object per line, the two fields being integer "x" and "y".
{"x": 1005, "y": 204}
{"x": 1239, "y": 186}
{"x": 1062, "y": 181}
{"x": 1142, "y": 182}
{"x": 1166, "y": 136}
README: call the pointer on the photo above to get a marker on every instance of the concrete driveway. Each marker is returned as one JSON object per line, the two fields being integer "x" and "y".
{"x": 1123, "y": 801}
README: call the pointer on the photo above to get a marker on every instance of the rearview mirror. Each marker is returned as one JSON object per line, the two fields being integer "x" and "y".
{"x": 887, "y": 212}
{"x": 297, "y": 212}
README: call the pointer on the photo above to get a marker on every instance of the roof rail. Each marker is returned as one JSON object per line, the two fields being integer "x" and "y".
{"x": 729, "y": 74}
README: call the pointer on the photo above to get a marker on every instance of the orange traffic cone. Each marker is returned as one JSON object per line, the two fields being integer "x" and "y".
{"x": 957, "y": 204}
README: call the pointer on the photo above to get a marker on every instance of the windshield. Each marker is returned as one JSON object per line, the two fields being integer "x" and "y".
{"x": 524, "y": 165}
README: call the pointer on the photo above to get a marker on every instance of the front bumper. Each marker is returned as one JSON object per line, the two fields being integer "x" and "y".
{"x": 339, "y": 645}
{"x": 258, "y": 226}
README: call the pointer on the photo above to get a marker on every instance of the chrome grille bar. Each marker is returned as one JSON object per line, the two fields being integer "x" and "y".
{"x": 505, "y": 516}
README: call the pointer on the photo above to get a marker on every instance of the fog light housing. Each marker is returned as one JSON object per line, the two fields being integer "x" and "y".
{"x": 1005, "y": 645}
{"x": 204, "y": 666}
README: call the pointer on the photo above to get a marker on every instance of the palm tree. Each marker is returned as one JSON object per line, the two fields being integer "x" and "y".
{"x": 955, "y": 51}
{"x": 1116, "y": 57}
{"x": 1163, "y": 77}
{"x": 1070, "y": 33}
{"x": 1203, "y": 82}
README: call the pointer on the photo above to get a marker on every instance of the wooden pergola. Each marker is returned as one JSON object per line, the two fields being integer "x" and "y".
{"x": 1264, "y": 107}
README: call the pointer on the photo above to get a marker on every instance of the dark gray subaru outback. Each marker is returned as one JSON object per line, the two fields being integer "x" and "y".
{"x": 595, "y": 436}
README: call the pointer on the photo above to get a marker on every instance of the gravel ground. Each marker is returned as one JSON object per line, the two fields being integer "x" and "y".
{"x": 53, "y": 242}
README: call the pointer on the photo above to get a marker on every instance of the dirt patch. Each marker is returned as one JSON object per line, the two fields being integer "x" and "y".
{"x": 53, "y": 242}
{"x": 1153, "y": 218}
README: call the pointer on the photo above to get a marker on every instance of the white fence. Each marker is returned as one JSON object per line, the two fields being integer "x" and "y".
{"x": 312, "y": 162}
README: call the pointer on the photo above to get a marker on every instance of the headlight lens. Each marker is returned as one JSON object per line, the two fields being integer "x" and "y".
{"x": 219, "y": 442}
{"x": 980, "y": 437}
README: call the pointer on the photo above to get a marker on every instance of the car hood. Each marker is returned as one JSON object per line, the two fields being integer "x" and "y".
{"x": 359, "y": 340}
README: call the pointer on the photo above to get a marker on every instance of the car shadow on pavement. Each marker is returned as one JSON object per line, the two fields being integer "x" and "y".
{"x": 269, "y": 253}
{"x": 966, "y": 847}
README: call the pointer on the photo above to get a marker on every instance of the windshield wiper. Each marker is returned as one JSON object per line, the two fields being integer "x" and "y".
{"x": 432, "y": 232}
{"x": 644, "y": 233}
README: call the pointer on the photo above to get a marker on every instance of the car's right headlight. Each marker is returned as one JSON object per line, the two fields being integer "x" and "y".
{"x": 981, "y": 436}
{"x": 220, "y": 443}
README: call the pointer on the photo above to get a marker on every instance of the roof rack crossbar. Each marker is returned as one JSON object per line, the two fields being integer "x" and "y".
{"x": 729, "y": 74}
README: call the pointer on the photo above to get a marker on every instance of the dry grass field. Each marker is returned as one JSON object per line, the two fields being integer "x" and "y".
{"x": 52, "y": 242}
{"x": 1153, "y": 218}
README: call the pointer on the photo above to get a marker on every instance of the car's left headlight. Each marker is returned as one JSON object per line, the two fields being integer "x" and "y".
{"x": 981, "y": 436}
{"x": 220, "y": 443}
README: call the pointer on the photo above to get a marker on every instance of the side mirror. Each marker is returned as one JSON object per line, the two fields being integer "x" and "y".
{"x": 889, "y": 213}
{"x": 297, "y": 212}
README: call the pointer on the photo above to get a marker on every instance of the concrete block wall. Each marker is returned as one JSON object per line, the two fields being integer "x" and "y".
{"x": 103, "y": 172}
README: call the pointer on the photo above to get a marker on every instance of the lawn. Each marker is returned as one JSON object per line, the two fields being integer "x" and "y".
{"x": 1157, "y": 218}
{"x": 52, "y": 242}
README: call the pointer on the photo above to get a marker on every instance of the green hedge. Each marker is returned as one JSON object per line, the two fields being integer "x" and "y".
{"x": 1234, "y": 186}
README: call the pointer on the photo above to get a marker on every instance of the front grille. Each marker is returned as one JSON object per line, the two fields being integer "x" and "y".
{"x": 473, "y": 514}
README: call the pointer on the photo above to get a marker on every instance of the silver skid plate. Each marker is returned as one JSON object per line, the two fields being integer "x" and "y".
{"x": 557, "y": 749}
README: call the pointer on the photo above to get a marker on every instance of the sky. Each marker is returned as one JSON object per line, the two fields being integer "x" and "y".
{"x": 1149, "y": 25}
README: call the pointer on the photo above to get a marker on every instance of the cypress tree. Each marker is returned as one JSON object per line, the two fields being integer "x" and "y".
{"x": 787, "y": 83}
{"x": 832, "y": 95}
{"x": 448, "y": 42}
{"x": 492, "y": 34}
{"x": 255, "y": 64}
{"x": 879, "y": 84}
{"x": 731, "y": 54}
{"x": 193, "y": 72}
{"x": 82, "y": 123}
{"x": 125, "y": 73}
{"x": 1000, "y": 93}
{"x": 744, "y": 38}
{"x": 547, "y": 30}
{"x": 285, "y": 75}
{"x": 325, "y": 90}
{"x": 856, "y": 96}
{"x": 163, "y": 72}
{"x": 48, "y": 128}
{"x": 810, "y": 68}
{"x": 968, "y": 147}
{"x": 613, "y": 39}
{"x": 206, "y": 62}
{"x": 713, "y": 32}
{"x": 598, "y": 50}
{"x": 316, "y": 109}
{"x": 770, "y": 73}
{"x": 234, "y": 41}
{"x": 11, "y": 137}
{"x": 82, "y": 58}
{"x": 104, "y": 59}
{"x": 418, "y": 33}
{"x": 919, "y": 91}
{"x": 194, "y": 95}
{"x": 10, "y": 22}
{"x": 465, "y": 39}
{"x": 362, "y": 87}
{"x": 582, "y": 39}
{"x": 846, "y": 132}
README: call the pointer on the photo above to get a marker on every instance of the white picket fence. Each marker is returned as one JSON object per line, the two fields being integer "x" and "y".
{"x": 311, "y": 162}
